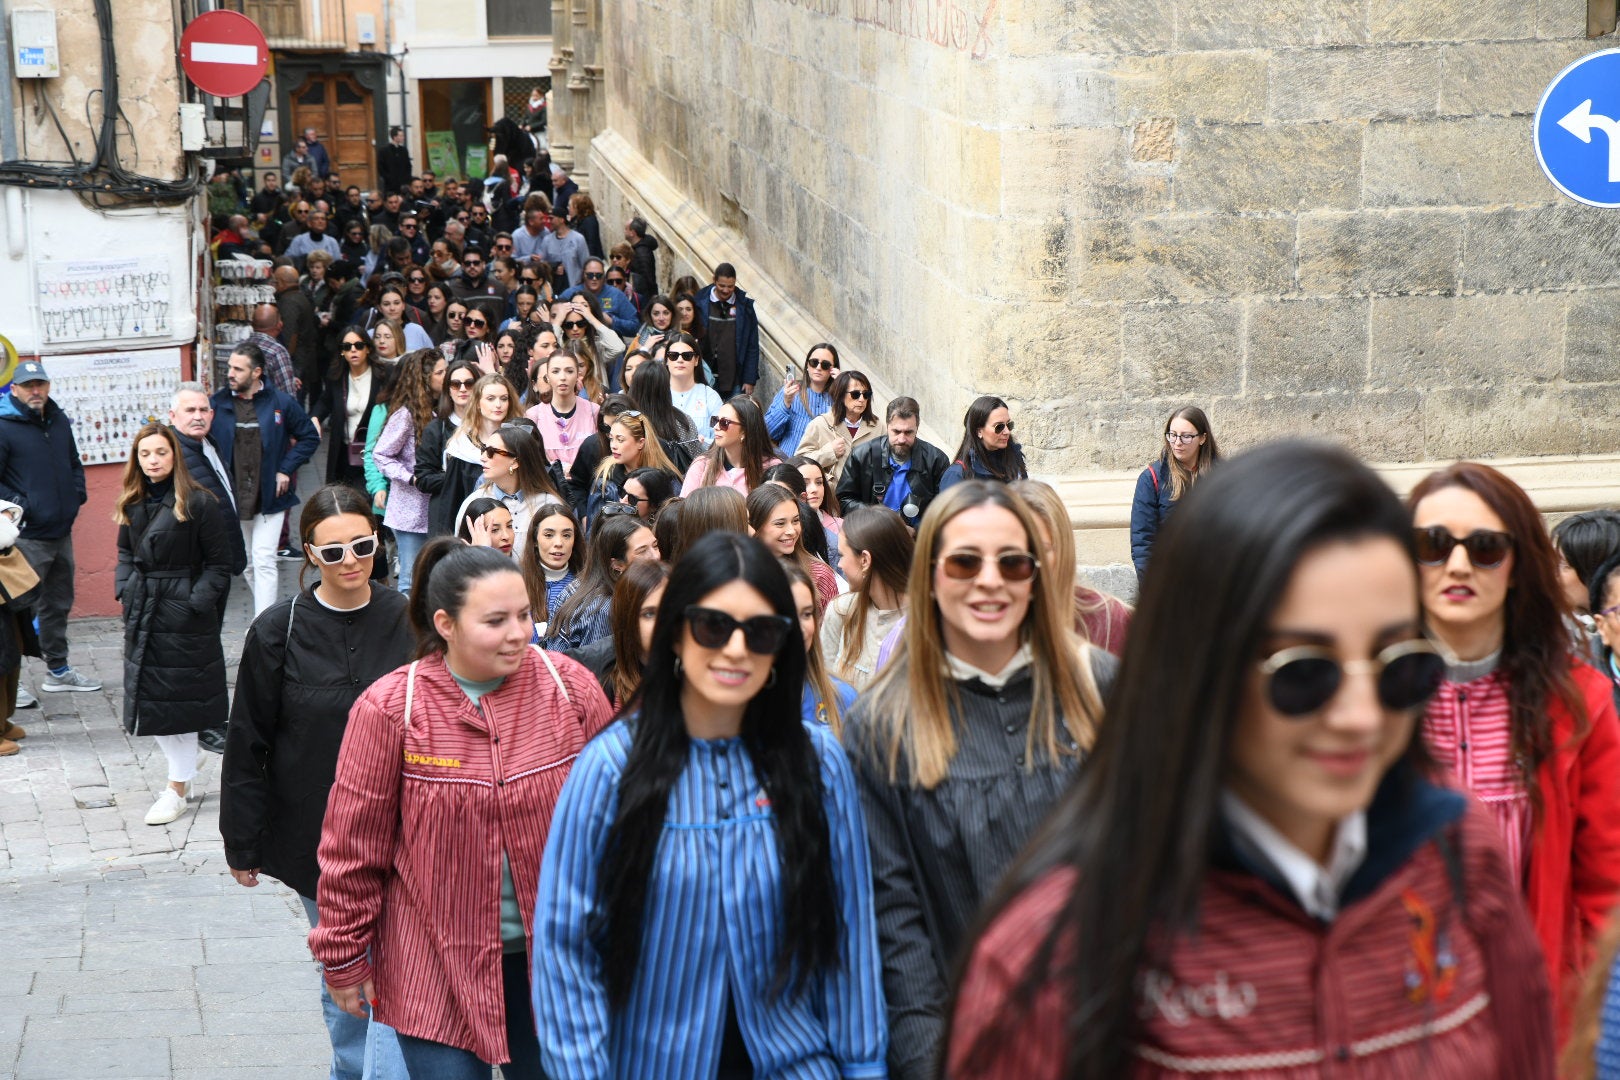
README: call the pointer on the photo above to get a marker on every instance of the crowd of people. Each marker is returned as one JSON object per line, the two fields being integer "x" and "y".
{"x": 627, "y": 724}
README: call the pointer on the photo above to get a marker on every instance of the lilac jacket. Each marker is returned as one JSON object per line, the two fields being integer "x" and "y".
{"x": 395, "y": 455}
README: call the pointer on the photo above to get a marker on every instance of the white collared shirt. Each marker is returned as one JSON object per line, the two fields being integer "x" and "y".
{"x": 1317, "y": 888}
{"x": 961, "y": 670}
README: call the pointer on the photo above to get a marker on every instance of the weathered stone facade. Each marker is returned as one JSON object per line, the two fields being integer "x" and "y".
{"x": 1304, "y": 215}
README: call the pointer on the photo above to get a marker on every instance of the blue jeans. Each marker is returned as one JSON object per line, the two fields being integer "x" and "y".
{"x": 428, "y": 1060}
{"x": 361, "y": 1049}
{"x": 410, "y": 545}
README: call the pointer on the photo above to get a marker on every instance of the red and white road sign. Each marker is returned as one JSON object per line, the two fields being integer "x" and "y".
{"x": 224, "y": 53}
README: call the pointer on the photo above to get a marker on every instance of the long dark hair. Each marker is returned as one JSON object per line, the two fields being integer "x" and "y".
{"x": 661, "y": 485}
{"x": 1535, "y": 635}
{"x": 534, "y": 571}
{"x": 882, "y": 533}
{"x": 1004, "y": 465}
{"x": 639, "y": 580}
{"x": 782, "y": 754}
{"x": 844, "y": 384}
{"x": 445, "y": 570}
{"x": 340, "y": 362}
{"x": 756, "y": 447}
{"x": 447, "y": 404}
{"x": 1137, "y": 829}
{"x": 649, "y": 389}
{"x": 610, "y": 540}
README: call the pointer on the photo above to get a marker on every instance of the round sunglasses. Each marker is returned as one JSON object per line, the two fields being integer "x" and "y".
{"x": 1303, "y": 679}
{"x": 1487, "y": 548}
{"x": 967, "y": 565}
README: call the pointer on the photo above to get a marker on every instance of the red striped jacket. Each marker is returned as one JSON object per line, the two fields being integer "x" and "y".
{"x": 415, "y": 827}
{"x": 1262, "y": 990}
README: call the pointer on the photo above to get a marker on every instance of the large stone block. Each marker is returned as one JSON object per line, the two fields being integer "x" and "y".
{"x": 1186, "y": 257}
{"x": 1122, "y": 433}
{"x": 1379, "y": 427}
{"x": 1502, "y": 78}
{"x": 1472, "y": 162}
{"x": 1562, "y": 246}
{"x": 1278, "y": 24}
{"x": 1052, "y": 91}
{"x": 1372, "y": 252}
{"x": 1191, "y": 350}
{"x": 1441, "y": 20}
{"x": 1518, "y": 421}
{"x": 1052, "y": 352}
{"x": 1440, "y": 341}
{"x": 1305, "y": 346}
{"x": 1336, "y": 84}
{"x": 1592, "y": 337}
{"x": 1251, "y": 167}
{"x": 1225, "y": 86}
{"x": 1040, "y": 28}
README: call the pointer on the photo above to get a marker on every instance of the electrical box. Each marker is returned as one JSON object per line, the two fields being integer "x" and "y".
{"x": 33, "y": 45}
{"x": 193, "y": 133}
{"x": 365, "y": 27}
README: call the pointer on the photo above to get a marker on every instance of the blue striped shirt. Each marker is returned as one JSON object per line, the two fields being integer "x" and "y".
{"x": 710, "y": 930}
{"x": 786, "y": 423}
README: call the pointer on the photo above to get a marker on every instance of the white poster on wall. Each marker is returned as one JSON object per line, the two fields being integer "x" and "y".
{"x": 110, "y": 396}
{"x": 105, "y": 299}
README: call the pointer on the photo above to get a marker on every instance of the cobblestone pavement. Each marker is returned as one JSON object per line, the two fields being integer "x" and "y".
{"x": 129, "y": 950}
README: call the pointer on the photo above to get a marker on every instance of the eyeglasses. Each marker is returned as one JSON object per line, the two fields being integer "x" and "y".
{"x": 573, "y": 324}
{"x": 529, "y": 278}
{"x": 615, "y": 281}
{"x": 462, "y": 384}
{"x": 1180, "y": 436}
{"x": 476, "y": 322}
{"x": 683, "y": 354}
{"x": 407, "y": 225}
{"x": 632, "y": 500}
{"x": 858, "y": 395}
{"x": 332, "y": 554}
{"x": 455, "y": 316}
{"x": 723, "y": 423}
{"x": 966, "y": 565}
{"x": 593, "y": 275}
{"x": 1302, "y": 680}
{"x": 1486, "y": 548}
{"x": 1000, "y": 428}
{"x": 491, "y": 451}
{"x": 821, "y": 365}
{"x": 763, "y": 635}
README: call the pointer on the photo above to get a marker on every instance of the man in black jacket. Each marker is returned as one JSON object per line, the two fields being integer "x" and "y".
{"x": 190, "y": 415}
{"x": 644, "y": 261}
{"x": 899, "y": 471}
{"x": 394, "y": 162}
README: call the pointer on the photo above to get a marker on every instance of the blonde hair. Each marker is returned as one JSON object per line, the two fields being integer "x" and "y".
{"x": 472, "y": 420}
{"x": 652, "y": 452}
{"x": 133, "y": 490}
{"x": 815, "y": 670}
{"x": 1059, "y": 569}
{"x": 912, "y": 699}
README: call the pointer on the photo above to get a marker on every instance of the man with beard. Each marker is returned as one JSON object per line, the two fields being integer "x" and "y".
{"x": 351, "y": 208}
{"x": 315, "y": 237}
{"x": 41, "y": 472}
{"x": 899, "y": 471}
{"x": 474, "y": 279}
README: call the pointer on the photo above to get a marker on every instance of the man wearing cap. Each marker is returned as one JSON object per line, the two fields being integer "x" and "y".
{"x": 40, "y": 471}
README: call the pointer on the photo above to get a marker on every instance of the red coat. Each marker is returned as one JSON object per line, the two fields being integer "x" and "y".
{"x": 415, "y": 827}
{"x": 1573, "y": 880}
{"x": 1262, "y": 990}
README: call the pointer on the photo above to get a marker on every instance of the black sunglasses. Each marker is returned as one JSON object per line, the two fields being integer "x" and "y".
{"x": 1302, "y": 680}
{"x": 679, "y": 354}
{"x": 858, "y": 395}
{"x": 763, "y": 635}
{"x": 823, "y": 365}
{"x": 966, "y": 565}
{"x": 347, "y": 345}
{"x": 616, "y": 510}
{"x": 573, "y": 324}
{"x": 1486, "y": 548}
{"x": 470, "y": 321}
{"x": 593, "y": 275}
{"x": 491, "y": 451}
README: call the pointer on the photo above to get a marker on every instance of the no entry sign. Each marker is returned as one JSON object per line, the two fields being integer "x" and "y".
{"x": 224, "y": 53}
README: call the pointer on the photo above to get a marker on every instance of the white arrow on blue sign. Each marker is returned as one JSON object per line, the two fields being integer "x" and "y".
{"x": 1577, "y": 130}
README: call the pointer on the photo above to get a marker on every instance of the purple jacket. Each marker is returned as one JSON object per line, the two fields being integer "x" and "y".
{"x": 395, "y": 455}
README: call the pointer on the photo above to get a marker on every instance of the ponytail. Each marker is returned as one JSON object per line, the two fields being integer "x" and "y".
{"x": 445, "y": 570}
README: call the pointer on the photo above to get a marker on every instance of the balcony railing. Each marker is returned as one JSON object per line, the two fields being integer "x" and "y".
{"x": 298, "y": 24}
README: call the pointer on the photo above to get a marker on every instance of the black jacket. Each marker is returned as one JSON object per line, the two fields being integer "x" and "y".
{"x": 303, "y": 666}
{"x": 644, "y": 268}
{"x": 445, "y": 480}
{"x": 867, "y": 475}
{"x": 40, "y": 469}
{"x": 332, "y": 410}
{"x": 169, "y": 577}
{"x": 394, "y": 167}
{"x": 203, "y": 472}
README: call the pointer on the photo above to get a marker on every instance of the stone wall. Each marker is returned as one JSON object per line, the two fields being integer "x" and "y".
{"x": 1305, "y": 216}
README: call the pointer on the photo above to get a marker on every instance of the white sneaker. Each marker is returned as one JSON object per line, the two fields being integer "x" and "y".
{"x": 25, "y": 700}
{"x": 71, "y": 679}
{"x": 169, "y": 806}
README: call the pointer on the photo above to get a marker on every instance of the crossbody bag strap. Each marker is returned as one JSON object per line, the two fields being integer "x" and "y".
{"x": 410, "y": 693}
{"x": 553, "y": 669}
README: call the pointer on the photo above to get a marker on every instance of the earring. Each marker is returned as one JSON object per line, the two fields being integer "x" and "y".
{"x": 677, "y": 665}
{"x": 770, "y": 680}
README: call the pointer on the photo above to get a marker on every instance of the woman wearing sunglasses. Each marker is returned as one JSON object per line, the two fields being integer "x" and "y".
{"x": 583, "y": 328}
{"x": 646, "y": 491}
{"x": 705, "y": 901}
{"x": 551, "y": 558}
{"x": 740, "y": 453}
{"x": 798, "y": 403}
{"x": 963, "y": 743}
{"x": 851, "y": 421}
{"x": 305, "y": 662}
{"x": 350, "y": 391}
{"x": 449, "y": 327}
{"x": 173, "y": 562}
{"x": 1187, "y": 450}
{"x": 988, "y": 451}
{"x": 491, "y": 404}
{"x": 1520, "y": 722}
{"x": 515, "y": 475}
{"x": 412, "y": 408}
{"x": 617, "y": 539}
{"x": 1318, "y": 904}
{"x": 479, "y": 327}
{"x": 437, "y": 821}
{"x": 633, "y": 444}
{"x": 460, "y": 376}
{"x": 683, "y": 357}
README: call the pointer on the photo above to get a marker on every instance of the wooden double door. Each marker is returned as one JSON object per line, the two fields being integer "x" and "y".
{"x": 341, "y": 112}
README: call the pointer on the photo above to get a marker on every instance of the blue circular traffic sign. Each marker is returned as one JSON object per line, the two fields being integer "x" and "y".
{"x": 1577, "y": 130}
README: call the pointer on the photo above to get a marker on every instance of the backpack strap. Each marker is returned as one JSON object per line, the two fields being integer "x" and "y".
{"x": 410, "y": 692}
{"x": 553, "y": 669}
{"x": 292, "y": 609}
{"x": 1153, "y": 472}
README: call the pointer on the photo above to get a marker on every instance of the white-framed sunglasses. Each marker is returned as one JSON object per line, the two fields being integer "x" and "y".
{"x": 332, "y": 554}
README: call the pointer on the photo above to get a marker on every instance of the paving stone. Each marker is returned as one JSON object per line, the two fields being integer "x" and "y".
{"x": 70, "y": 1059}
